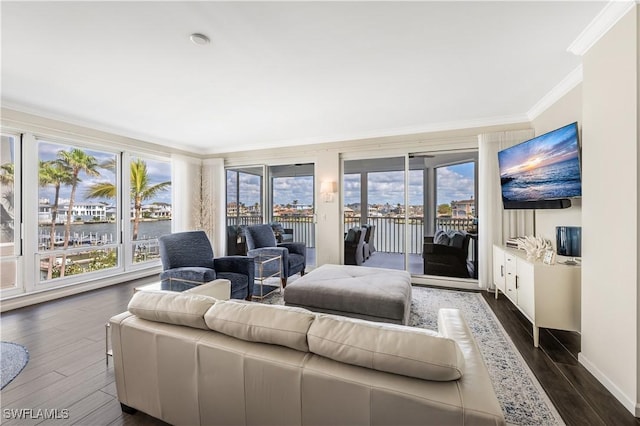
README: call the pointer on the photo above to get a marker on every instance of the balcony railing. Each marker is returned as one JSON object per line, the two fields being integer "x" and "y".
{"x": 388, "y": 237}
{"x": 390, "y": 231}
{"x": 303, "y": 226}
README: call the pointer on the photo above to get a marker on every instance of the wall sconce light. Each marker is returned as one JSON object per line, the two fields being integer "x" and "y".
{"x": 328, "y": 190}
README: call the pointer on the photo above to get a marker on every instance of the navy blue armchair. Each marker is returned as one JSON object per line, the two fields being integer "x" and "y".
{"x": 189, "y": 256}
{"x": 261, "y": 240}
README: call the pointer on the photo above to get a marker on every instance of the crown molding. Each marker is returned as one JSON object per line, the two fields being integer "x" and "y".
{"x": 61, "y": 122}
{"x": 603, "y": 22}
{"x": 569, "y": 82}
{"x": 380, "y": 133}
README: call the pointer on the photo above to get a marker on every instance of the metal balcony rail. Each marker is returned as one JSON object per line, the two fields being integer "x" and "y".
{"x": 389, "y": 234}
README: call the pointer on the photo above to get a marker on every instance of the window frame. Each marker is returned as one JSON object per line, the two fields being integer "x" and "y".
{"x": 18, "y": 237}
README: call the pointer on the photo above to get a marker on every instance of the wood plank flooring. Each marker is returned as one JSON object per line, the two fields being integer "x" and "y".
{"x": 67, "y": 368}
{"x": 577, "y": 395}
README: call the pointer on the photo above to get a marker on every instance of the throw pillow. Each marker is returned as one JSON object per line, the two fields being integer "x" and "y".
{"x": 351, "y": 236}
{"x": 441, "y": 237}
{"x": 457, "y": 239}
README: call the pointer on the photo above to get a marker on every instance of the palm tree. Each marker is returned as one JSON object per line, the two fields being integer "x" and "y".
{"x": 7, "y": 179}
{"x": 141, "y": 189}
{"x": 76, "y": 161}
{"x": 53, "y": 173}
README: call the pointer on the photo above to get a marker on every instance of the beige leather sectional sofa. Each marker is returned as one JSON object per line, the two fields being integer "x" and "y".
{"x": 192, "y": 359}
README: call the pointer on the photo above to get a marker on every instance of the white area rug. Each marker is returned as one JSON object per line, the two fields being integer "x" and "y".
{"x": 523, "y": 400}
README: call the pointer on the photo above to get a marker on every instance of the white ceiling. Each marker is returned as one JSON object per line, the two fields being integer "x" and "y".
{"x": 284, "y": 73}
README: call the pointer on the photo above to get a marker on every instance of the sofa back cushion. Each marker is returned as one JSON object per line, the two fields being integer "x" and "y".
{"x": 254, "y": 322}
{"x": 171, "y": 307}
{"x": 412, "y": 352}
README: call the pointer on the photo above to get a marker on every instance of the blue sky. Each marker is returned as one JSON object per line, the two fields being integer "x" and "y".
{"x": 454, "y": 183}
{"x": 550, "y": 148}
{"x": 158, "y": 171}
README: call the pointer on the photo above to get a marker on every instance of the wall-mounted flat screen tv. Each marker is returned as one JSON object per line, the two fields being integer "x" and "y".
{"x": 544, "y": 168}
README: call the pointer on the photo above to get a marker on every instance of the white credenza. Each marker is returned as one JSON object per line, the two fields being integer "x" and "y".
{"x": 548, "y": 295}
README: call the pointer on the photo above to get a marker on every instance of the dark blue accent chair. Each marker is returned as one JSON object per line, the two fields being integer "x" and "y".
{"x": 189, "y": 256}
{"x": 262, "y": 241}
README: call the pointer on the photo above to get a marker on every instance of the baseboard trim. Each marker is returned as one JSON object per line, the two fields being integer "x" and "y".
{"x": 628, "y": 403}
{"x": 22, "y": 300}
{"x": 455, "y": 283}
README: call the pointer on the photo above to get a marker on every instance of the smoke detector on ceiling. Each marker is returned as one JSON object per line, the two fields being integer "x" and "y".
{"x": 199, "y": 39}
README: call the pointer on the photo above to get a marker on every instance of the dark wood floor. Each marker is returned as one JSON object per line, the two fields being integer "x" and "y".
{"x": 577, "y": 395}
{"x": 67, "y": 369}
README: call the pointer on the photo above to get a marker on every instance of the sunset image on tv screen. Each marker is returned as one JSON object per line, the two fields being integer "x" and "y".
{"x": 546, "y": 167}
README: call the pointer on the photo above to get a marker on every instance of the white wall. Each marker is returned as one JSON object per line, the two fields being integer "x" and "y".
{"x": 565, "y": 111}
{"x": 185, "y": 192}
{"x": 610, "y": 211}
{"x": 328, "y": 229}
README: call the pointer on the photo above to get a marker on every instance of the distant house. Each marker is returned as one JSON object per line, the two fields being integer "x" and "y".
{"x": 85, "y": 211}
{"x": 463, "y": 208}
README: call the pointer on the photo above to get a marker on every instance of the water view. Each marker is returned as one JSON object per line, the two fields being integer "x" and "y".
{"x": 103, "y": 233}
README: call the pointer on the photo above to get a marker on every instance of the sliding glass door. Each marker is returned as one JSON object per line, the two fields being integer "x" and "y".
{"x": 450, "y": 205}
{"x": 406, "y": 199}
{"x": 374, "y": 201}
{"x": 293, "y": 203}
{"x": 244, "y": 196}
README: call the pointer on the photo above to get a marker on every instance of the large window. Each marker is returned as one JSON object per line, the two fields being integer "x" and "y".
{"x": 80, "y": 209}
{"x": 9, "y": 212}
{"x": 77, "y": 210}
{"x": 150, "y": 206}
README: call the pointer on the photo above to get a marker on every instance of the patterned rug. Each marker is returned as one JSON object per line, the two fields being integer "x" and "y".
{"x": 523, "y": 400}
{"x": 13, "y": 358}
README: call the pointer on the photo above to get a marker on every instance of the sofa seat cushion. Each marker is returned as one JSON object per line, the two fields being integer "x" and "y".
{"x": 412, "y": 352}
{"x": 254, "y": 322}
{"x": 170, "y": 307}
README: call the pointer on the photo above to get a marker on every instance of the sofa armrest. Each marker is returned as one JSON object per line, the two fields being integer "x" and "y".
{"x": 218, "y": 289}
{"x": 451, "y": 324}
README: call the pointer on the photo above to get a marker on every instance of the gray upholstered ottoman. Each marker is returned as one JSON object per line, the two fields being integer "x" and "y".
{"x": 354, "y": 291}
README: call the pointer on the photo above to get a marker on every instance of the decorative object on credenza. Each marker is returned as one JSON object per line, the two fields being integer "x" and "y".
{"x": 513, "y": 242}
{"x": 534, "y": 246}
{"x": 549, "y": 257}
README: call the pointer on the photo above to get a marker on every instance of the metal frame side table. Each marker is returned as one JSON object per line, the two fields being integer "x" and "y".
{"x": 263, "y": 262}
